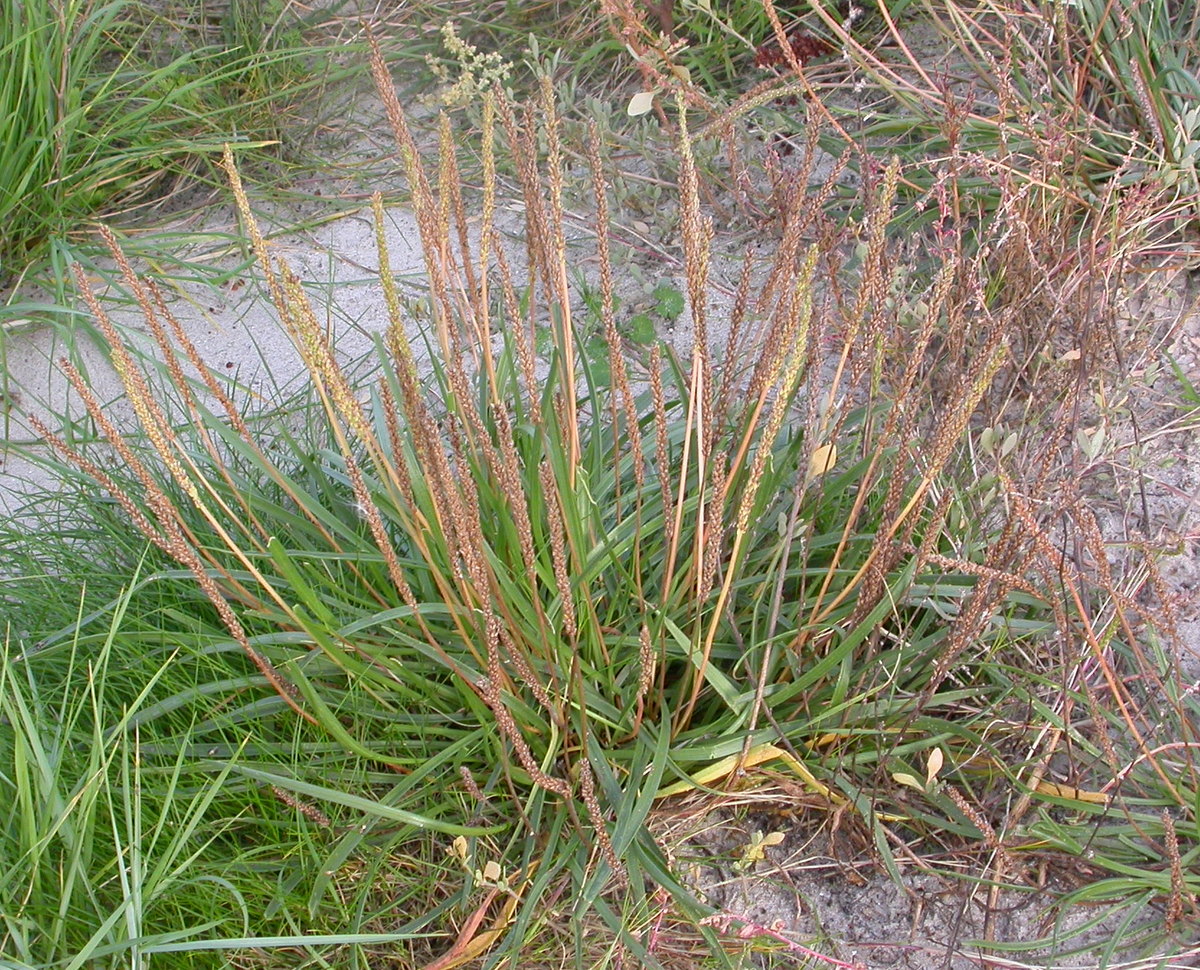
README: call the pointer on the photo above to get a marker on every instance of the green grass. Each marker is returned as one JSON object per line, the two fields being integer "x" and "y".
{"x": 151, "y": 820}
{"x": 107, "y": 107}
{"x": 104, "y": 851}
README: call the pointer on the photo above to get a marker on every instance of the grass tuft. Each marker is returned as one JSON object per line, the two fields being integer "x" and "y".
{"x": 480, "y": 627}
{"x": 106, "y": 107}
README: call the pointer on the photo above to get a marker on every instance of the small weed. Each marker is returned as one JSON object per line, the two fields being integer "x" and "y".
{"x": 639, "y": 326}
{"x": 1189, "y": 394}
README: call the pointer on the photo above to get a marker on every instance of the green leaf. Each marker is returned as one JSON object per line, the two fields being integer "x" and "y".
{"x": 641, "y": 329}
{"x": 367, "y": 806}
{"x": 669, "y": 302}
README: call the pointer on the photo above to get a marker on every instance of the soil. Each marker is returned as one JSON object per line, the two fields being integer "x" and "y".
{"x": 823, "y": 892}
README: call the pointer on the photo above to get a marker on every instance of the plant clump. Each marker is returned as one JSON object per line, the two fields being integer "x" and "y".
{"x": 542, "y": 598}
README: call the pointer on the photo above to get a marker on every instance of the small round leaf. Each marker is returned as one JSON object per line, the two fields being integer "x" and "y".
{"x": 640, "y": 103}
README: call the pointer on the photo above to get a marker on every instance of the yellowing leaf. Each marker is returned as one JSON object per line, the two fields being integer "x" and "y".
{"x": 640, "y": 103}
{"x": 757, "y": 755}
{"x": 822, "y": 461}
{"x": 934, "y": 765}
{"x": 756, "y": 851}
{"x": 904, "y": 778}
{"x": 1073, "y": 794}
{"x": 458, "y": 849}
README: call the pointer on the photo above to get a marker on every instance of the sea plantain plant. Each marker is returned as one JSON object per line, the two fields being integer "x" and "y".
{"x": 539, "y": 600}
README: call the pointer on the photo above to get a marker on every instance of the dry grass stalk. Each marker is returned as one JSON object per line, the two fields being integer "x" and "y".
{"x": 612, "y": 337}
{"x": 1180, "y": 900}
{"x": 794, "y": 339}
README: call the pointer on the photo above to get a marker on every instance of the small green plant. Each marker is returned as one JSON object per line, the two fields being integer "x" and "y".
{"x": 465, "y": 73}
{"x": 639, "y": 327}
{"x": 665, "y": 307}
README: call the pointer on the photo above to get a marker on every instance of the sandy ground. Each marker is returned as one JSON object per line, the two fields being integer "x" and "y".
{"x": 234, "y": 326}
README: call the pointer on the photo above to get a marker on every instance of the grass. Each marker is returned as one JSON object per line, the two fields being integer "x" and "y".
{"x": 118, "y": 112}
{"x": 139, "y": 832}
{"x": 102, "y": 113}
{"x": 1080, "y": 101}
{"x": 413, "y": 668}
